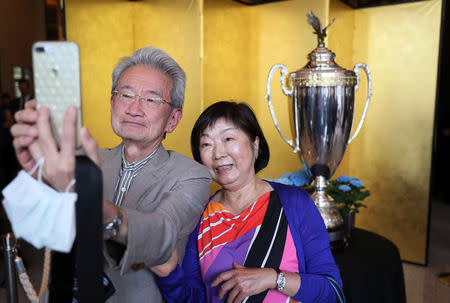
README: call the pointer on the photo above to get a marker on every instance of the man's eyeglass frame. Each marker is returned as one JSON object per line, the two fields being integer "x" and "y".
{"x": 152, "y": 100}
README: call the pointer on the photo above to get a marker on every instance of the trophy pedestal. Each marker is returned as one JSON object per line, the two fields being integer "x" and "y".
{"x": 337, "y": 238}
{"x": 338, "y": 245}
{"x": 330, "y": 214}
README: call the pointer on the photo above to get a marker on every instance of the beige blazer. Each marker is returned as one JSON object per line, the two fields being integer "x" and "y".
{"x": 163, "y": 204}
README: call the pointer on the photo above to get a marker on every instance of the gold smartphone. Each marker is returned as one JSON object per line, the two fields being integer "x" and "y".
{"x": 56, "y": 71}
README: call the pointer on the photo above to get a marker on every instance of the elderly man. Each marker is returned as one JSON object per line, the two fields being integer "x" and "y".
{"x": 153, "y": 196}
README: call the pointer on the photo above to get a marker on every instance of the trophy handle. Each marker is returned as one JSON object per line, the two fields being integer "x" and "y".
{"x": 287, "y": 91}
{"x": 357, "y": 71}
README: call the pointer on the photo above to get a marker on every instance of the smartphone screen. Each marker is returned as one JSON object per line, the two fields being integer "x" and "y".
{"x": 56, "y": 71}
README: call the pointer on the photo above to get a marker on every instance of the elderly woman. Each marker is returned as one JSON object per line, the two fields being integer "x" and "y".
{"x": 255, "y": 239}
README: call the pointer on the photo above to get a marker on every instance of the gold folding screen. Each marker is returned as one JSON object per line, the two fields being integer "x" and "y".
{"x": 109, "y": 29}
{"x": 392, "y": 155}
{"x": 227, "y": 49}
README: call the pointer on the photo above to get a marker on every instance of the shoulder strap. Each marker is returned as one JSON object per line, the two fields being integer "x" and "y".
{"x": 267, "y": 249}
{"x": 337, "y": 289}
{"x": 85, "y": 261}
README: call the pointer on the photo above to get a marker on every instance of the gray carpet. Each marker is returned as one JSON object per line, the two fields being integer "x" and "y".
{"x": 422, "y": 284}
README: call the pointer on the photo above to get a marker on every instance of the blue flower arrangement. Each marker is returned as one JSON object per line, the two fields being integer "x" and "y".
{"x": 299, "y": 178}
{"x": 347, "y": 192}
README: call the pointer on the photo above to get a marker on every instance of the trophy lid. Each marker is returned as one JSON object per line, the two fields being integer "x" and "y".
{"x": 321, "y": 70}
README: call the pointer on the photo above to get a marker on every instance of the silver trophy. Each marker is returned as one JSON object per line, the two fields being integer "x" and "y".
{"x": 323, "y": 95}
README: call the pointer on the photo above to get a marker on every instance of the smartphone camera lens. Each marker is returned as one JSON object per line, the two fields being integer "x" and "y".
{"x": 40, "y": 49}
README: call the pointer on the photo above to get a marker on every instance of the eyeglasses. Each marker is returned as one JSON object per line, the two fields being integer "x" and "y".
{"x": 129, "y": 97}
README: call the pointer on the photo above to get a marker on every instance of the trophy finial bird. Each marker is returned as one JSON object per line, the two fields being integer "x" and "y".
{"x": 315, "y": 23}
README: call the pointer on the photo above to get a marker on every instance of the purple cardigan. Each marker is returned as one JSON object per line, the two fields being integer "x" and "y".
{"x": 310, "y": 237}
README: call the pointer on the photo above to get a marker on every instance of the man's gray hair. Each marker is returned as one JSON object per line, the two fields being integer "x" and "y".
{"x": 158, "y": 59}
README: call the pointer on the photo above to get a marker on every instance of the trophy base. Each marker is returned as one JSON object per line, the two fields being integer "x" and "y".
{"x": 338, "y": 245}
{"x": 337, "y": 238}
{"x": 330, "y": 214}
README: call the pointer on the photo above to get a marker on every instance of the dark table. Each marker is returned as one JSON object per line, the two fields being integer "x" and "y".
{"x": 371, "y": 269}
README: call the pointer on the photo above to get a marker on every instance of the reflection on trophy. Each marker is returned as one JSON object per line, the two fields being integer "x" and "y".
{"x": 323, "y": 96}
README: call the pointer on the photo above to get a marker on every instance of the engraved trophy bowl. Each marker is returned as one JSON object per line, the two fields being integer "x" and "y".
{"x": 323, "y": 95}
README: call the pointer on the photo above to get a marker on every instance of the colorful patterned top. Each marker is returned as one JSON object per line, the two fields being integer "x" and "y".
{"x": 295, "y": 216}
{"x": 258, "y": 237}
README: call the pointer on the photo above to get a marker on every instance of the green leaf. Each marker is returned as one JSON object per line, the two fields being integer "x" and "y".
{"x": 347, "y": 202}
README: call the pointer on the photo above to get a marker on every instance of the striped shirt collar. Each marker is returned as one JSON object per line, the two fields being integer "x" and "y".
{"x": 136, "y": 166}
{"x": 128, "y": 171}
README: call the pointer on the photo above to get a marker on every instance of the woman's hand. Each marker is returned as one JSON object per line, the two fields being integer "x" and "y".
{"x": 242, "y": 282}
{"x": 33, "y": 140}
{"x": 25, "y": 134}
{"x": 90, "y": 146}
{"x": 165, "y": 269}
{"x": 59, "y": 165}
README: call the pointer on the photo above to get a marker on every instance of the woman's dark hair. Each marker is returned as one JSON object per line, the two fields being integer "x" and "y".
{"x": 242, "y": 116}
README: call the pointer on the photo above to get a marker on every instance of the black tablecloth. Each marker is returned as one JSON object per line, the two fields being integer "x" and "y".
{"x": 371, "y": 269}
